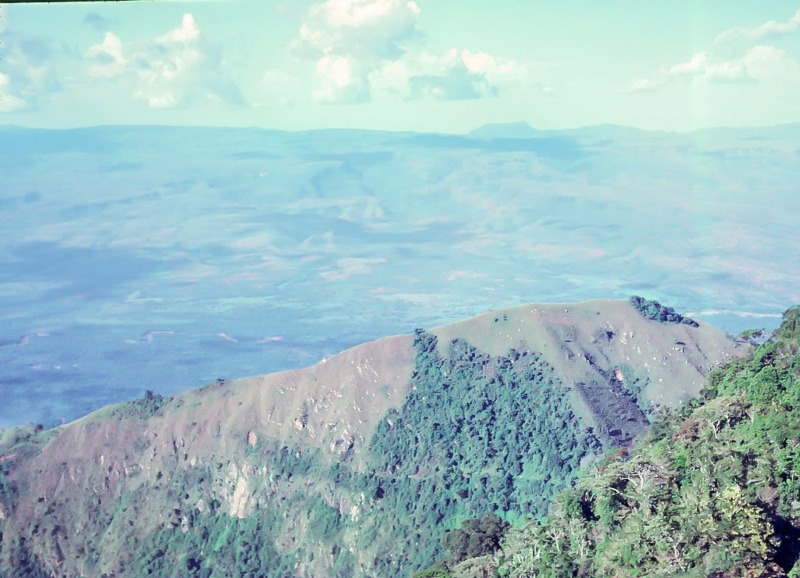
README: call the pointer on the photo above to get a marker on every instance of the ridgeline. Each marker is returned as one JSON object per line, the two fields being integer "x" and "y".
{"x": 361, "y": 465}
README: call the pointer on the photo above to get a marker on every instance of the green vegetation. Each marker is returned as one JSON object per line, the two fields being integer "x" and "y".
{"x": 18, "y": 444}
{"x": 172, "y": 528}
{"x": 657, "y": 312}
{"x": 750, "y": 335}
{"x": 145, "y": 407}
{"x": 476, "y": 537}
{"x": 220, "y": 546}
{"x": 476, "y": 434}
{"x": 713, "y": 490}
{"x": 467, "y": 476}
{"x": 634, "y": 384}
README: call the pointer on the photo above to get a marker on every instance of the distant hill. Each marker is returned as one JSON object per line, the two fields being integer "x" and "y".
{"x": 505, "y": 130}
{"x": 356, "y": 466}
{"x": 522, "y": 130}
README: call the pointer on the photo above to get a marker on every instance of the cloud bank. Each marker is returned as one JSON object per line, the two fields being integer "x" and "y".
{"x": 733, "y": 57}
{"x": 26, "y": 69}
{"x": 364, "y": 48}
{"x": 167, "y": 71}
{"x": 349, "y": 40}
{"x": 767, "y": 30}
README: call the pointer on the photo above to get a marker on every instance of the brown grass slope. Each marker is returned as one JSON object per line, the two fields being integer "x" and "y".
{"x": 599, "y": 347}
{"x": 602, "y": 349}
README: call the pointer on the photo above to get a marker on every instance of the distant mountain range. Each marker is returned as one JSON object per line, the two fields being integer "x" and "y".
{"x": 523, "y": 130}
{"x": 358, "y": 465}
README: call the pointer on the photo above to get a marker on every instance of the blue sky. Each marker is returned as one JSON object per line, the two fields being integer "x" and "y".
{"x": 423, "y": 65}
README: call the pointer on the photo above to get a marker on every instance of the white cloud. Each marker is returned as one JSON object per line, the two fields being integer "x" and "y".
{"x": 355, "y": 209}
{"x": 745, "y": 314}
{"x": 694, "y": 64}
{"x": 108, "y": 58}
{"x": 342, "y": 79}
{"x": 457, "y": 83}
{"x": 26, "y": 70}
{"x": 703, "y": 65}
{"x": 365, "y": 48}
{"x": 459, "y": 275}
{"x": 367, "y": 29}
{"x": 766, "y": 30}
{"x": 166, "y": 71}
{"x": 767, "y": 63}
{"x": 453, "y": 75}
{"x": 8, "y": 101}
{"x": 185, "y": 33}
{"x": 496, "y": 70}
{"x": 349, "y": 40}
{"x": 741, "y": 61}
{"x": 758, "y": 63}
{"x": 279, "y": 86}
{"x": 644, "y": 84}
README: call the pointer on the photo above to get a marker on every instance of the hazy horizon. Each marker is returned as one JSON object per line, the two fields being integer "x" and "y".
{"x": 465, "y": 132}
{"x": 180, "y": 255}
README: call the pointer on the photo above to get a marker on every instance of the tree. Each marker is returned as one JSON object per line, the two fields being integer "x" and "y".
{"x": 476, "y": 537}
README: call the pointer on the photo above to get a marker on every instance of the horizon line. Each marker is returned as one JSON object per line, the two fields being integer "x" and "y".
{"x": 520, "y": 123}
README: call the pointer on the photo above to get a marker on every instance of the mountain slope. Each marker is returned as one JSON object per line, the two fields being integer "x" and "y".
{"x": 713, "y": 490}
{"x": 355, "y": 466}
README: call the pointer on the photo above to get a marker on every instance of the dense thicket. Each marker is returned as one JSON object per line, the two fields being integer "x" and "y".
{"x": 657, "y": 312}
{"x": 476, "y": 433}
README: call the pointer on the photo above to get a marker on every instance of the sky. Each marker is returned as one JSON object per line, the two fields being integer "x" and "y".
{"x": 418, "y": 65}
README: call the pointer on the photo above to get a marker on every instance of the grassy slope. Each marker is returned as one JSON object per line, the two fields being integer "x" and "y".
{"x": 305, "y": 472}
{"x": 571, "y": 336}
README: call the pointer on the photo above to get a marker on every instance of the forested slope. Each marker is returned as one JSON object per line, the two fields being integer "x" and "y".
{"x": 712, "y": 490}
